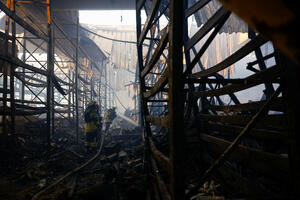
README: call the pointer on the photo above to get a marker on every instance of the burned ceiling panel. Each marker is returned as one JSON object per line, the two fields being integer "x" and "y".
{"x": 233, "y": 24}
{"x": 64, "y": 30}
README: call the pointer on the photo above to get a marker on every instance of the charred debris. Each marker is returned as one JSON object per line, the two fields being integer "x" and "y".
{"x": 213, "y": 89}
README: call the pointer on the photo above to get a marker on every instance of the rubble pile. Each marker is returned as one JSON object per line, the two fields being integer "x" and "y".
{"x": 31, "y": 170}
{"x": 28, "y": 167}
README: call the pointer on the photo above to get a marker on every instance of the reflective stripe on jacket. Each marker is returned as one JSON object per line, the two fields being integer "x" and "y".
{"x": 107, "y": 117}
{"x": 92, "y": 144}
{"x": 91, "y": 127}
{"x": 95, "y": 121}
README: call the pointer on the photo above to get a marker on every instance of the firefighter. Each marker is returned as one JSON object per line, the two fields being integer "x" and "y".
{"x": 110, "y": 115}
{"x": 93, "y": 126}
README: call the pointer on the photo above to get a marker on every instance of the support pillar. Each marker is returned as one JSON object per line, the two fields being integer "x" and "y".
{"x": 69, "y": 96}
{"x": 23, "y": 69}
{"x": 176, "y": 101}
{"x": 50, "y": 69}
{"x": 91, "y": 84}
{"x": 12, "y": 72}
{"x": 5, "y": 72}
{"x": 76, "y": 80}
{"x": 105, "y": 87}
{"x": 291, "y": 95}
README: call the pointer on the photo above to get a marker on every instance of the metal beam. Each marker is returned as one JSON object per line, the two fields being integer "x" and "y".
{"x": 95, "y": 5}
{"x": 22, "y": 23}
{"x": 76, "y": 78}
{"x": 50, "y": 69}
{"x": 176, "y": 101}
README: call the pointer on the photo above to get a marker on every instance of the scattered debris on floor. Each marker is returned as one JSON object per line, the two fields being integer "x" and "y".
{"x": 31, "y": 170}
{"x": 64, "y": 170}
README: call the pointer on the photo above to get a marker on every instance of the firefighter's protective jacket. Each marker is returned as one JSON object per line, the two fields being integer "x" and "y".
{"x": 110, "y": 115}
{"x": 92, "y": 119}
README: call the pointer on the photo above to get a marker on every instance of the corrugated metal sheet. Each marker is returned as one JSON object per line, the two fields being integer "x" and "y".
{"x": 123, "y": 55}
{"x": 220, "y": 48}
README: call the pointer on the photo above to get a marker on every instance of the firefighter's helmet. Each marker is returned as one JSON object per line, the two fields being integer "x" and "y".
{"x": 91, "y": 103}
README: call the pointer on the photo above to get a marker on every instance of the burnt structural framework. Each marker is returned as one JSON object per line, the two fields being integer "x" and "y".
{"x": 49, "y": 70}
{"x": 197, "y": 124}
